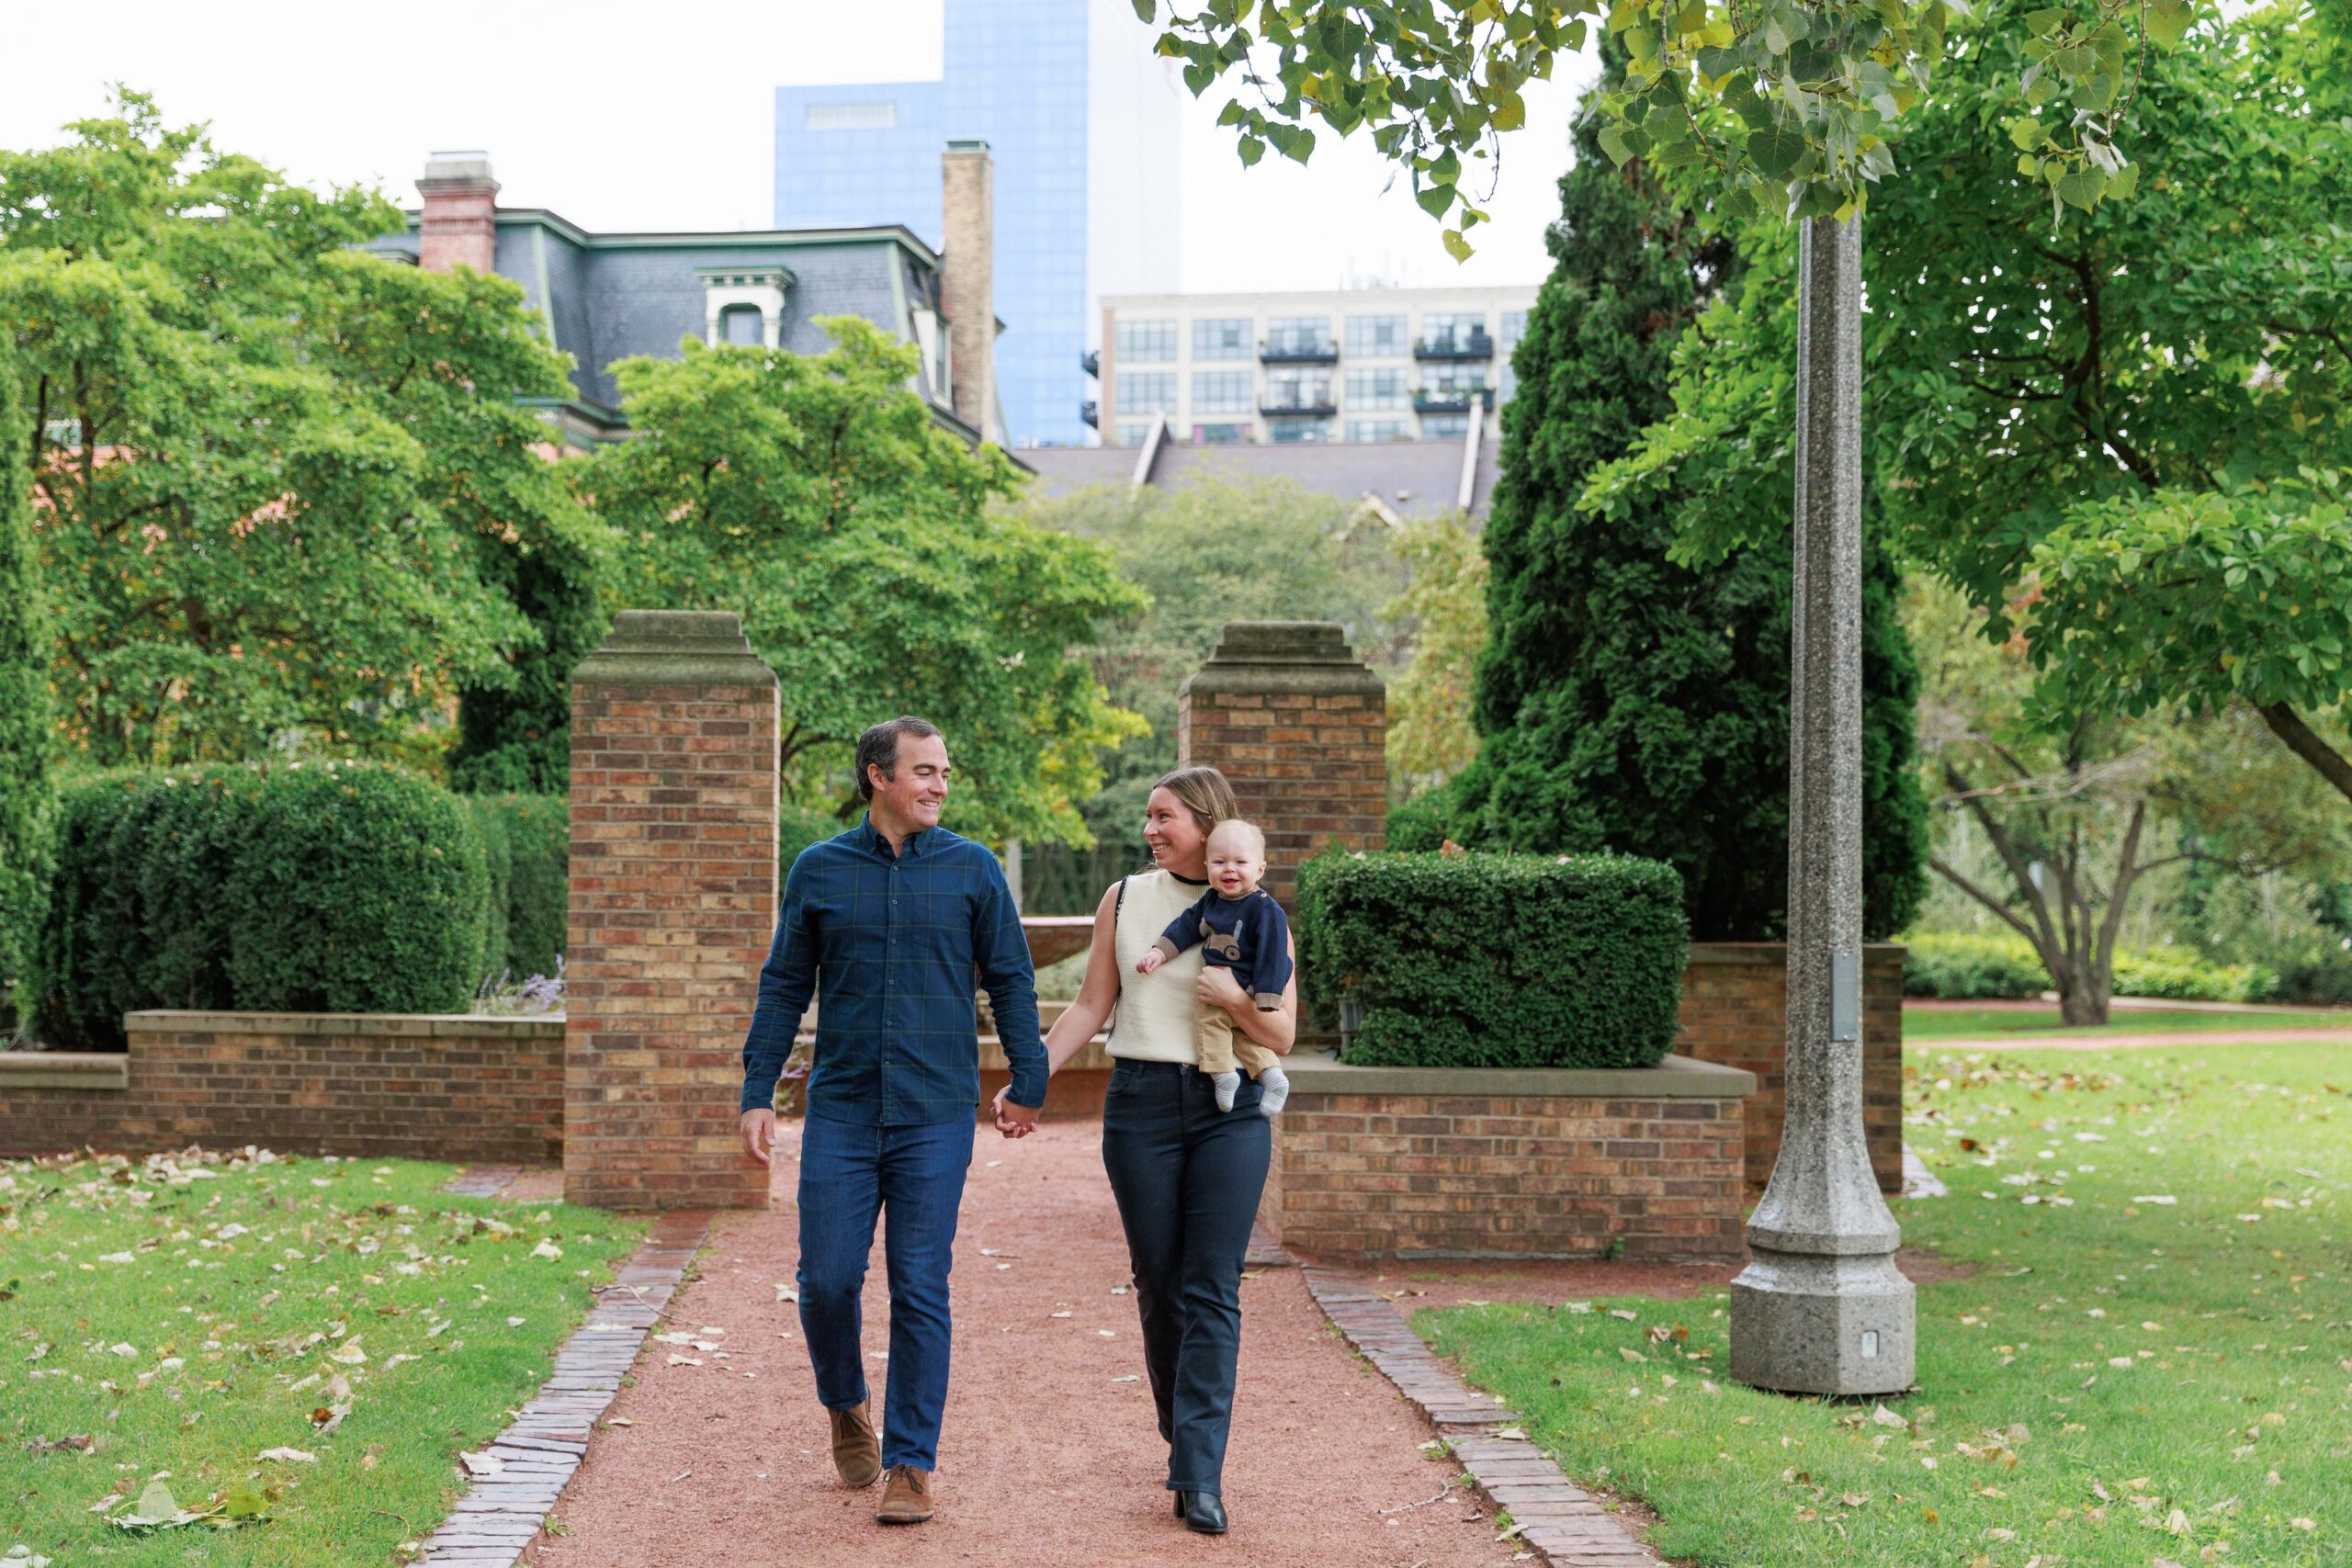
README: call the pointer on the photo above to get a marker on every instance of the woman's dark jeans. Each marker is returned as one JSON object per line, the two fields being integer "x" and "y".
{"x": 1187, "y": 1178}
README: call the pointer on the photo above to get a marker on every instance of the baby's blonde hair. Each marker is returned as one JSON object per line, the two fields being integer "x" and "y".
{"x": 1235, "y": 827}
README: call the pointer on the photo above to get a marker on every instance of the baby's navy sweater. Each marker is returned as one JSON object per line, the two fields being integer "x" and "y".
{"x": 1249, "y": 935}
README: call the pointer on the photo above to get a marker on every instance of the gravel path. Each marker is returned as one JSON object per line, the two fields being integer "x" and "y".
{"x": 1048, "y": 1456}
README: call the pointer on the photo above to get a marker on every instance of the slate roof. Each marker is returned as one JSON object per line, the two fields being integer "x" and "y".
{"x": 609, "y": 296}
{"x": 1414, "y": 479}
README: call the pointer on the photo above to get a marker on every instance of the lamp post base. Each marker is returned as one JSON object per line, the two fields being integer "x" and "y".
{"x": 1802, "y": 1322}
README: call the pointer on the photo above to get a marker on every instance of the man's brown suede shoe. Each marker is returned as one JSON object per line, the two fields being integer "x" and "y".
{"x": 857, "y": 1454}
{"x": 907, "y": 1500}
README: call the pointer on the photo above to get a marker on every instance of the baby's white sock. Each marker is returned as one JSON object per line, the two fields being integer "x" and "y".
{"x": 1276, "y": 1083}
{"x": 1228, "y": 1084}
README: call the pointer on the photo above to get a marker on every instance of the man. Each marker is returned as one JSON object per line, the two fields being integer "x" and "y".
{"x": 887, "y": 924}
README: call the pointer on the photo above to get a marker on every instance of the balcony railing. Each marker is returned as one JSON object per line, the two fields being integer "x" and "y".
{"x": 1091, "y": 363}
{"x": 1453, "y": 400}
{"x": 1454, "y": 345}
{"x": 1298, "y": 350}
{"x": 1091, "y": 412}
{"x": 1281, "y": 400}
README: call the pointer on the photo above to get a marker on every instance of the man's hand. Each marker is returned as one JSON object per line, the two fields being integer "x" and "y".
{"x": 759, "y": 1133}
{"x": 1014, "y": 1121}
{"x": 1218, "y": 988}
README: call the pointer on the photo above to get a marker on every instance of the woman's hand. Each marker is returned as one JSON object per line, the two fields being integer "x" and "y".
{"x": 1216, "y": 987}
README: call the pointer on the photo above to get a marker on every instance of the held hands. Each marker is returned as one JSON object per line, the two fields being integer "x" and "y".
{"x": 1013, "y": 1120}
{"x": 1152, "y": 959}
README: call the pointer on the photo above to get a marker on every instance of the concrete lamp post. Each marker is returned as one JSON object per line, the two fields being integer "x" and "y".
{"x": 1821, "y": 1307}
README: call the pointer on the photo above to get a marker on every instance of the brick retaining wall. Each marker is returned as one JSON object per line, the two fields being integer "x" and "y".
{"x": 448, "y": 1087}
{"x": 1442, "y": 1162}
{"x": 1735, "y": 1001}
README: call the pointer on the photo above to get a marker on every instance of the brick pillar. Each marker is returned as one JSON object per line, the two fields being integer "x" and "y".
{"x": 968, "y": 279}
{"x": 459, "y": 226}
{"x": 1300, "y": 728}
{"x": 674, "y": 899}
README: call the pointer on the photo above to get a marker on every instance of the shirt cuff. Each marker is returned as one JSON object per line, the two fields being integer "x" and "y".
{"x": 1270, "y": 1002}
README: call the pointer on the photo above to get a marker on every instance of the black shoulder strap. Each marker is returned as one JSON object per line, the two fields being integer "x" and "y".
{"x": 1121, "y": 902}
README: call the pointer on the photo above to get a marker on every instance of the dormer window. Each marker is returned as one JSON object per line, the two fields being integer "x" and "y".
{"x": 744, "y": 306}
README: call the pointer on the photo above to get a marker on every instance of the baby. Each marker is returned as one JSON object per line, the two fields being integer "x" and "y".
{"x": 1242, "y": 928}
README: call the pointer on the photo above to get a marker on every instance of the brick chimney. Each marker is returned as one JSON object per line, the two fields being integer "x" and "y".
{"x": 460, "y": 223}
{"x": 968, "y": 278}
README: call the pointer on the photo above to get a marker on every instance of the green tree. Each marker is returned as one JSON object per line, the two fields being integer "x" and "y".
{"x": 815, "y": 495}
{"x": 242, "y": 534}
{"x": 1629, "y": 701}
{"x": 25, "y": 803}
{"x": 1780, "y": 108}
{"x": 1442, "y": 615}
{"x": 2126, "y": 439}
{"x": 1215, "y": 548}
{"x": 2080, "y": 817}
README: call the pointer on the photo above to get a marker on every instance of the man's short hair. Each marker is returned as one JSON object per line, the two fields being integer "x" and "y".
{"x": 878, "y": 748}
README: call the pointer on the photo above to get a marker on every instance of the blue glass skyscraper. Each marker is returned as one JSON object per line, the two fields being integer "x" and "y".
{"x": 1082, "y": 121}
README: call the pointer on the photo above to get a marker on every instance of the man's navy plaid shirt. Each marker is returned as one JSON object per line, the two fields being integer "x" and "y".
{"x": 890, "y": 944}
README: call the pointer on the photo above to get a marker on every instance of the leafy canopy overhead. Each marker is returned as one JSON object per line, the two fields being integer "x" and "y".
{"x": 1791, "y": 107}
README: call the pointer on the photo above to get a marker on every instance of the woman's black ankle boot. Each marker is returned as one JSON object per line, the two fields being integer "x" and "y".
{"x": 1202, "y": 1511}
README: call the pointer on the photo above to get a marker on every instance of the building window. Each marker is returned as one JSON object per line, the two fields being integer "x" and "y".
{"x": 1299, "y": 431}
{"x": 740, "y": 325}
{"x": 1376, "y": 430}
{"x": 1298, "y": 389}
{"x": 1228, "y": 337}
{"x": 1369, "y": 389}
{"x": 1145, "y": 342}
{"x": 1450, "y": 333}
{"x": 883, "y": 116}
{"x": 1462, "y": 382}
{"x": 1224, "y": 391}
{"x": 1147, "y": 392}
{"x": 1438, "y": 427}
{"x": 1298, "y": 334}
{"x": 1376, "y": 337}
{"x": 1133, "y": 432}
{"x": 1514, "y": 329}
{"x": 1221, "y": 434}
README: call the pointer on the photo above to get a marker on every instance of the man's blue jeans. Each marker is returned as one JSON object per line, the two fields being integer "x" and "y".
{"x": 848, "y": 1173}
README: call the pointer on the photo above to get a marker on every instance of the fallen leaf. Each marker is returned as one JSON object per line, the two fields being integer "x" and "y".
{"x": 288, "y": 1456}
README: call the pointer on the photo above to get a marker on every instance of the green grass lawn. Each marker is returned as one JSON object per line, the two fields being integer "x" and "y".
{"x": 178, "y": 1319}
{"x": 2153, "y": 1362}
{"x": 1975, "y": 1023}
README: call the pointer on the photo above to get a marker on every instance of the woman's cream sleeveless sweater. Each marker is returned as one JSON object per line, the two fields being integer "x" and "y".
{"x": 1154, "y": 1022}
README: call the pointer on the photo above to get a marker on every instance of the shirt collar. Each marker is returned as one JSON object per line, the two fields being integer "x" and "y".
{"x": 871, "y": 837}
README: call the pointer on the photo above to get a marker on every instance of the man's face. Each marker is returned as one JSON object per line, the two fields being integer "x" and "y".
{"x": 919, "y": 789}
{"x": 1236, "y": 864}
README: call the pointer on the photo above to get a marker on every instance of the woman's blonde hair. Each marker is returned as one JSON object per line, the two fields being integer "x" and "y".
{"x": 1203, "y": 793}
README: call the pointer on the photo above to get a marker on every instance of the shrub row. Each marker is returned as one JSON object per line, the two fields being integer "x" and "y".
{"x": 1969, "y": 966}
{"x": 1494, "y": 959}
{"x": 287, "y": 888}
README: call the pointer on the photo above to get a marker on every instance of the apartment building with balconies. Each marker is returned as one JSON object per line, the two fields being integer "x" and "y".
{"x": 1356, "y": 365}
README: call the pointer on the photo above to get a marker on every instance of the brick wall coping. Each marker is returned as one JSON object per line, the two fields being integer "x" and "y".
{"x": 64, "y": 1069}
{"x": 1677, "y": 1077}
{"x": 1773, "y": 952}
{"x": 434, "y": 1025}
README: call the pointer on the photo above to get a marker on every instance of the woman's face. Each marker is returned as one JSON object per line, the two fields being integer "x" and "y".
{"x": 1172, "y": 834}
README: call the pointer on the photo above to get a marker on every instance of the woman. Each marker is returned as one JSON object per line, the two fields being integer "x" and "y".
{"x": 1186, "y": 1175}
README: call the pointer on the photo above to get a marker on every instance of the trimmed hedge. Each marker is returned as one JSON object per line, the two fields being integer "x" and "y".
{"x": 282, "y": 887}
{"x": 1496, "y": 961}
{"x": 527, "y": 841}
{"x": 1964, "y": 966}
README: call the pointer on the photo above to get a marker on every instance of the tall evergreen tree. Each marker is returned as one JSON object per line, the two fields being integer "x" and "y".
{"x": 23, "y": 708}
{"x": 1627, "y": 702}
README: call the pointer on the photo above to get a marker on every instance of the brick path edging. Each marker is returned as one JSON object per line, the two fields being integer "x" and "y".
{"x": 501, "y": 1514}
{"x": 1556, "y": 1518}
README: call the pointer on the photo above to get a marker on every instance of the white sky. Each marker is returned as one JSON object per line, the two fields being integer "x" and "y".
{"x": 625, "y": 116}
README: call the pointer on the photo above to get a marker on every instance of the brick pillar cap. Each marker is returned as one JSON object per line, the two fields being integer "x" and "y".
{"x": 1284, "y": 656}
{"x": 674, "y": 648}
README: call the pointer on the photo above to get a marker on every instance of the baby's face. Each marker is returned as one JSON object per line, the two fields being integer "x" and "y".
{"x": 1236, "y": 864}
